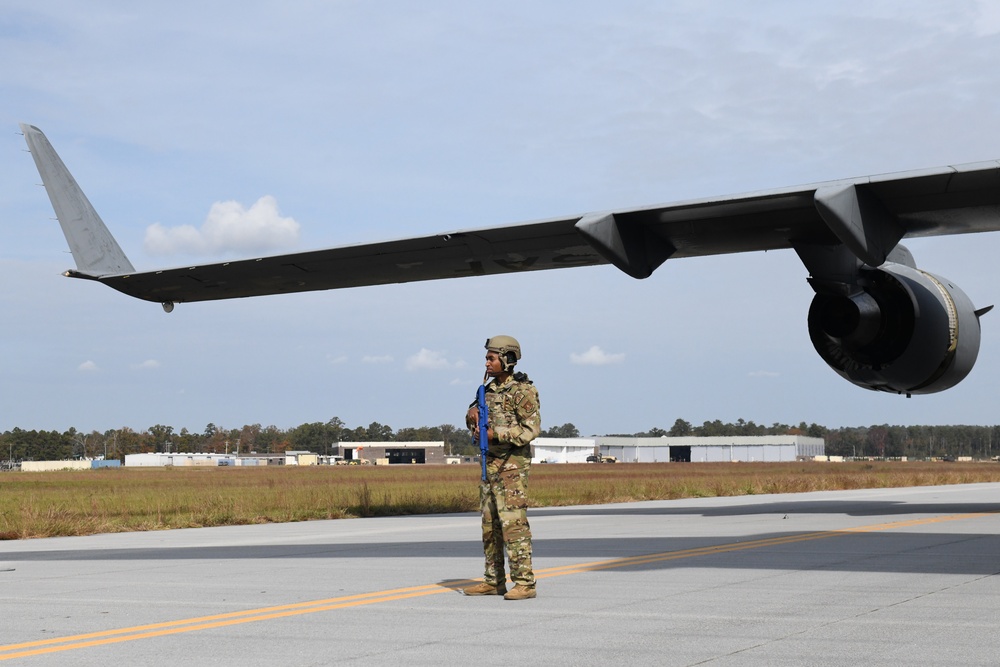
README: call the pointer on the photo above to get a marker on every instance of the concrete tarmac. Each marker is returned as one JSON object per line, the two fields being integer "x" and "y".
{"x": 871, "y": 577}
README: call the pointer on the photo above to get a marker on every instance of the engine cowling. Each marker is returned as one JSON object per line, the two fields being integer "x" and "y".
{"x": 901, "y": 330}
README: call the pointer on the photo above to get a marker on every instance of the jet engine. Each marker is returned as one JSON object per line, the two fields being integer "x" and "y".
{"x": 897, "y": 329}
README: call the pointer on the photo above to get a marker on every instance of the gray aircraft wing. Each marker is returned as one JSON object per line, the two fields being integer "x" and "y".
{"x": 876, "y": 319}
{"x": 868, "y": 214}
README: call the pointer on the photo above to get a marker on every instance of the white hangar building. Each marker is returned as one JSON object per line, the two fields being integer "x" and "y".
{"x": 692, "y": 449}
{"x": 562, "y": 450}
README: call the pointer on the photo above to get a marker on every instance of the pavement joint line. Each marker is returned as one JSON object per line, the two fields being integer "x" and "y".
{"x": 166, "y": 628}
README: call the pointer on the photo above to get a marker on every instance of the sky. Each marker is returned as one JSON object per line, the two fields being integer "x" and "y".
{"x": 210, "y": 131}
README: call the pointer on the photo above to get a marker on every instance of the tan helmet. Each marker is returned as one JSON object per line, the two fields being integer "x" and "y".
{"x": 508, "y": 348}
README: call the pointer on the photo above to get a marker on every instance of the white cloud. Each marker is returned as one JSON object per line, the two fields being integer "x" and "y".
{"x": 335, "y": 361}
{"x": 88, "y": 367}
{"x": 431, "y": 360}
{"x": 149, "y": 364}
{"x": 373, "y": 359}
{"x": 229, "y": 227}
{"x": 595, "y": 356}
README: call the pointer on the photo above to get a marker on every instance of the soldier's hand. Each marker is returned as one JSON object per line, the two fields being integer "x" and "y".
{"x": 472, "y": 417}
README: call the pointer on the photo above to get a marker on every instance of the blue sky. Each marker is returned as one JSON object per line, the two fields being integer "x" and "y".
{"x": 205, "y": 131}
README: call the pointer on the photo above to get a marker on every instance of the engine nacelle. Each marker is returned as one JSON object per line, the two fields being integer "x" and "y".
{"x": 902, "y": 330}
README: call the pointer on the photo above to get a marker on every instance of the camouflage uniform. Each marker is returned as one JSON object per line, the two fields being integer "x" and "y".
{"x": 515, "y": 419}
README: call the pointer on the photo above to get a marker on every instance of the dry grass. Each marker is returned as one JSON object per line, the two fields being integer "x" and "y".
{"x": 126, "y": 499}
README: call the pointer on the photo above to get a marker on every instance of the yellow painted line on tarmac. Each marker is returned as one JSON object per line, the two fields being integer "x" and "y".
{"x": 55, "y": 645}
{"x": 214, "y": 621}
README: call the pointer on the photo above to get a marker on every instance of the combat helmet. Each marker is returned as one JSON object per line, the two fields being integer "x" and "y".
{"x": 508, "y": 348}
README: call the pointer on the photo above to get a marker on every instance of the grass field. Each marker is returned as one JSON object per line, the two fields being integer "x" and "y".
{"x": 48, "y": 504}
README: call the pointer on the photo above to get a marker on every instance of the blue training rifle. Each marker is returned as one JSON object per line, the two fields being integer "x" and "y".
{"x": 484, "y": 426}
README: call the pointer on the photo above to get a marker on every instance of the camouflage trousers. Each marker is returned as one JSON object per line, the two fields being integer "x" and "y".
{"x": 503, "y": 500}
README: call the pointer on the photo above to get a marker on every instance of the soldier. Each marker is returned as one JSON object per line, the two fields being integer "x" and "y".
{"x": 514, "y": 421}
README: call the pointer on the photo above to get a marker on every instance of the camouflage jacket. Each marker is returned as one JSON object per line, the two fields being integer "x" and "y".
{"x": 514, "y": 415}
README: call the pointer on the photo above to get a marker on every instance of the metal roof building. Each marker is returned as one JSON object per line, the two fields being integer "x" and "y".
{"x": 562, "y": 450}
{"x": 393, "y": 452}
{"x": 715, "y": 449}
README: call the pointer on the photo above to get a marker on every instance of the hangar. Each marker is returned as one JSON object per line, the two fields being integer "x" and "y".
{"x": 714, "y": 449}
{"x": 393, "y": 452}
{"x": 562, "y": 450}
{"x": 209, "y": 459}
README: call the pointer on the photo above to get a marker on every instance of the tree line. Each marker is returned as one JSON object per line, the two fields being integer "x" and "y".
{"x": 878, "y": 441}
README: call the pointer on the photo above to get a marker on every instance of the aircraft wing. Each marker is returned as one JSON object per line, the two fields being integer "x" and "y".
{"x": 947, "y": 200}
{"x": 876, "y": 319}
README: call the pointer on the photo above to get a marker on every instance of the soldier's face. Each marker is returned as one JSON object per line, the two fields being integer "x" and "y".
{"x": 493, "y": 366}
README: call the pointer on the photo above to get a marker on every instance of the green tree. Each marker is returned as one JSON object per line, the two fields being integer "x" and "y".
{"x": 247, "y": 439}
{"x": 272, "y": 440}
{"x": 564, "y": 431}
{"x": 815, "y": 430}
{"x": 310, "y": 438}
{"x": 39, "y": 445}
{"x": 185, "y": 441}
{"x": 162, "y": 438}
{"x": 711, "y": 429}
{"x": 680, "y": 428}
{"x": 453, "y": 438}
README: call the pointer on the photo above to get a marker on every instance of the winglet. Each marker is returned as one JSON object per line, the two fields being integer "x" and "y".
{"x": 96, "y": 252}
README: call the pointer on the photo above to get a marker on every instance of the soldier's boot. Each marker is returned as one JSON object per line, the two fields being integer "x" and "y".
{"x": 520, "y": 592}
{"x": 486, "y": 589}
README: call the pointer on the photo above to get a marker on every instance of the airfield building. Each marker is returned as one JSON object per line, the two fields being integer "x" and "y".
{"x": 714, "y": 449}
{"x": 182, "y": 459}
{"x": 544, "y": 450}
{"x": 393, "y": 452}
{"x": 372, "y": 452}
{"x": 562, "y": 450}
